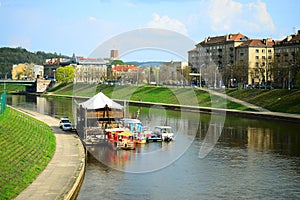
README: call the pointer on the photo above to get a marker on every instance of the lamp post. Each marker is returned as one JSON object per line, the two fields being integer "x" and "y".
{"x": 137, "y": 77}
{"x": 215, "y": 85}
{"x": 54, "y": 75}
{"x": 289, "y": 82}
{"x": 200, "y": 77}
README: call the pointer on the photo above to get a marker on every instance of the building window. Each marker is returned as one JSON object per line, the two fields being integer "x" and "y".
{"x": 263, "y": 51}
{"x": 263, "y": 57}
{"x": 263, "y": 64}
{"x": 256, "y": 50}
{"x": 256, "y": 57}
{"x": 256, "y": 64}
{"x": 269, "y": 57}
{"x": 269, "y": 51}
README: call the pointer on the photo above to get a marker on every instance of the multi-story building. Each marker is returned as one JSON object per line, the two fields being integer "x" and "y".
{"x": 193, "y": 58}
{"x": 216, "y": 54}
{"x": 90, "y": 70}
{"x": 287, "y": 61}
{"x": 27, "y": 71}
{"x": 174, "y": 72}
{"x": 253, "y": 62}
{"x": 51, "y": 65}
{"x": 235, "y": 58}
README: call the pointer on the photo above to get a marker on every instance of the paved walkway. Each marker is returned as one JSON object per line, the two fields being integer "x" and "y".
{"x": 65, "y": 171}
{"x": 243, "y": 103}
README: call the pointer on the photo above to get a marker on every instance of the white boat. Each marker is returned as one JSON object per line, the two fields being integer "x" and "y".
{"x": 165, "y": 132}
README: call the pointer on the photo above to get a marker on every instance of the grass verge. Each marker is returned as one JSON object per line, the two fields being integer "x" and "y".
{"x": 277, "y": 100}
{"x": 168, "y": 95}
{"x": 27, "y": 145}
{"x": 11, "y": 88}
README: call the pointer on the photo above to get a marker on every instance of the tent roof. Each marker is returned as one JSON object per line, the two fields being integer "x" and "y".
{"x": 99, "y": 101}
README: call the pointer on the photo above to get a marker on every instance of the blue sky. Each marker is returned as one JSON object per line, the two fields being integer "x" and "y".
{"x": 79, "y": 27}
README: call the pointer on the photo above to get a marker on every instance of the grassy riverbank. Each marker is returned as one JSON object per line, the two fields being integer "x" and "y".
{"x": 11, "y": 88}
{"x": 27, "y": 145}
{"x": 169, "y": 95}
{"x": 277, "y": 100}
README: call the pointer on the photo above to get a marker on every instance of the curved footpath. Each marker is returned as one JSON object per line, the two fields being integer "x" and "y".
{"x": 64, "y": 174}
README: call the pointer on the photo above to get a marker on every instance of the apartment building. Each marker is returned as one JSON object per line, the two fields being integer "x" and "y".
{"x": 254, "y": 61}
{"x": 216, "y": 54}
{"x": 193, "y": 58}
{"x": 236, "y": 58}
{"x": 287, "y": 61}
{"x": 90, "y": 70}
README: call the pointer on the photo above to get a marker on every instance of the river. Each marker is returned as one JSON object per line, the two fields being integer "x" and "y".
{"x": 252, "y": 159}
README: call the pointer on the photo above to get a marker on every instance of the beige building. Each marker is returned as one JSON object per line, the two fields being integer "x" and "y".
{"x": 254, "y": 61}
{"x": 233, "y": 58}
{"x": 90, "y": 70}
{"x": 27, "y": 71}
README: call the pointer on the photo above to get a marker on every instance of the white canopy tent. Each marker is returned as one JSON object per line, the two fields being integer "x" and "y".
{"x": 100, "y": 101}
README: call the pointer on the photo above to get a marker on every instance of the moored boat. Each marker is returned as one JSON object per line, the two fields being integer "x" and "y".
{"x": 136, "y": 127}
{"x": 164, "y": 132}
{"x": 120, "y": 138}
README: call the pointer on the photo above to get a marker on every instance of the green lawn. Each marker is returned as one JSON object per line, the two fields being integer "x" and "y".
{"x": 277, "y": 100}
{"x": 170, "y": 95}
{"x": 11, "y": 88}
{"x": 27, "y": 145}
{"x": 159, "y": 94}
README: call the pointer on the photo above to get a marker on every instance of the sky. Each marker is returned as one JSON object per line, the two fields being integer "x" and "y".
{"x": 80, "y": 27}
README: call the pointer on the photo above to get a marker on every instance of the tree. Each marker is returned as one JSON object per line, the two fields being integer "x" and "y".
{"x": 65, "y": 74}
{"x": 28, "y": 72}
{"x": 298, "y": 80}
{"x": 117, "y": 62}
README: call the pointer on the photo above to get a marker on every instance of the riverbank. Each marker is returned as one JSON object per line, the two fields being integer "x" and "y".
{"x": 27, "y": 146}
{"x": 275, "y": 100}
{"x": 63, "y": 176}
{"x": 154, "y": 96}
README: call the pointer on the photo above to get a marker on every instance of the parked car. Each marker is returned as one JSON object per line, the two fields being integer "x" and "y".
{"x": 63, "y": 121}
{"x": 66, "y": 127}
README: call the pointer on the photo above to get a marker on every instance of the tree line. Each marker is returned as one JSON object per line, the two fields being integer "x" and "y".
{"x": 11, "y": 56}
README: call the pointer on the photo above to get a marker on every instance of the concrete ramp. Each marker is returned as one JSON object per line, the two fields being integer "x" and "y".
{"x": 42, "y": 85}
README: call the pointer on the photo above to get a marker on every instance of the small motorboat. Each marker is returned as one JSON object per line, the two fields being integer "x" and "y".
{"x": 164, "y": 132}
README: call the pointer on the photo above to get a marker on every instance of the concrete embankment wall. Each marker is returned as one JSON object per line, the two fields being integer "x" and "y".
{"x": 230, "y": 112}
{"x": 295, "y": 118}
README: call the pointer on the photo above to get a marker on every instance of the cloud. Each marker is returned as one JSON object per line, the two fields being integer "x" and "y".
{"x": 166, "y": 22}
{"x": 261, "y": 15}
{"x": 223, "y": 14}
{"x": 228, "y": 15}
{"x": 92, "y": 19}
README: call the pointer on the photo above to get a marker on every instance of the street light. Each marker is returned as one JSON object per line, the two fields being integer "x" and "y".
{"x": 201, "y": 74}
{"x": 216, "y": 77}
{"x": 54, "y": 75}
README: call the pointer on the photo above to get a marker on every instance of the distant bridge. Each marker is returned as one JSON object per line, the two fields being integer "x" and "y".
{"x": 19, "y": 82}
{"x": 38, "y": 85}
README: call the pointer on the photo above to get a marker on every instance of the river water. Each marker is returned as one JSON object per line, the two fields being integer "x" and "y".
{"x": 252, "y": 159}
